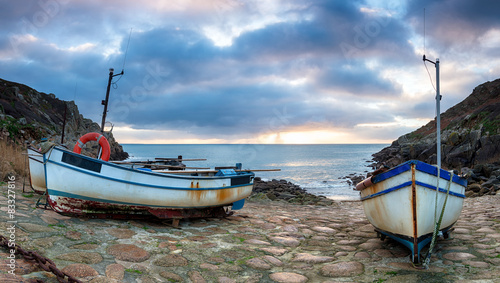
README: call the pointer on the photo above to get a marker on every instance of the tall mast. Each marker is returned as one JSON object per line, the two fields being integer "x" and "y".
{"x": 438, "y": 111}
{"x": 105, "y": 102}
{"x": 438, "y": 115}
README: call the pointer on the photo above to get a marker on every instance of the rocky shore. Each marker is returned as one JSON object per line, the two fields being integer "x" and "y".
{"x": 282, "y": 190}
{"x": 266, "y": 241}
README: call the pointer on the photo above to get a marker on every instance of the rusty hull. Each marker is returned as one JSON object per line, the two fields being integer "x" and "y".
{"x": 82, "y": 185}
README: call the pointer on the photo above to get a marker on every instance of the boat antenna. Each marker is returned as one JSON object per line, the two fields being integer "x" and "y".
{"x": 424, "y": 31}
{"x": 126, "y": 50}
{"x": 110, "y": 79}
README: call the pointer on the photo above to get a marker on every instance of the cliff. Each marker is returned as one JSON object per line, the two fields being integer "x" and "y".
{"x": 470, "y": 138}
{"x": 27, "y": 115}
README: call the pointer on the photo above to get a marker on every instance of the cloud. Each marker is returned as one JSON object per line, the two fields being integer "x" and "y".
{"x": 238, "y": 70}
{"x": 449, "y": 21}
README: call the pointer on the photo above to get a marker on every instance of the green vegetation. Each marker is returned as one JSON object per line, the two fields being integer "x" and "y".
{"x": 14, "y": 128}
{"x": 491, "y": 126}
{"x": 57, "y": 225}
{"x": 414, "y": 135}
{"x": 243, "y": 260}
{"x": 482, "y": 118}
{"x": 239, "y": 238}
{"x": 133, "y": 271}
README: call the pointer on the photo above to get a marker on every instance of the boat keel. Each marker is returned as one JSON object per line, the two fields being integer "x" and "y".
{"x": 414, "y": 246}
{"x": 92, "y": 209}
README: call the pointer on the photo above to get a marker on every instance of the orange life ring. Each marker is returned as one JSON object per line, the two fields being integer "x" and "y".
{"x": 103, "y": 142}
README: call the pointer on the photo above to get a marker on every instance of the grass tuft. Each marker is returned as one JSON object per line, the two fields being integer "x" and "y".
{"x": 12, "y": 160}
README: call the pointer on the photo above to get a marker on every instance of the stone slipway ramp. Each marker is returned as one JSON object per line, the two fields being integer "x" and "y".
{"x": 263, "y": 242}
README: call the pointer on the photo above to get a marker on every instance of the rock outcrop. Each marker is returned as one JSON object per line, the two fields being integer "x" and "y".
{"x": 282, "y": 190}
{"x": 470, "y": 138}
{"x": 27, "y": 115}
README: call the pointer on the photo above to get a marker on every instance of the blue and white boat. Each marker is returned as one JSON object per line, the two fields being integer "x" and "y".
{"x": 415, "y": 202}
{"x": 400, "y": 203}
{"x": 81, "y": 185}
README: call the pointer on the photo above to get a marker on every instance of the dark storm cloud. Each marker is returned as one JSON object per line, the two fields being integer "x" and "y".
{"x": 455, "y": 23}
{"x": 358, "y": 80}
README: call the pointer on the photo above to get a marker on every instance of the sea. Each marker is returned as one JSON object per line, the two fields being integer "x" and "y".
{"x": 320, "y": 168}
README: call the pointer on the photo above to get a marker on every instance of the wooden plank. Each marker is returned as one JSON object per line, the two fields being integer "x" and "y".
{"x": 157, "y": 165}
{"x": 181, "y": 159}
{"x": 174, "y": 166}
{"x": 131, "y": 162}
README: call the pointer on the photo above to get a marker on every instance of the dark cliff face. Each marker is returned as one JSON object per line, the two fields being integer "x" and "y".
{"x": 29, "y": 115}
{"x": 470, "y": 134}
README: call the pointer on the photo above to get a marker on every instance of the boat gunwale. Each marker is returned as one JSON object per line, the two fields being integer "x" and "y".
{"x": 164, "y": 175}
{"x": 407, "y": 184}
{"x": 422, "y": 167}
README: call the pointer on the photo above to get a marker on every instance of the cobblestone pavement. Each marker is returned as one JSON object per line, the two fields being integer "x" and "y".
{"x": 263, "y": 242}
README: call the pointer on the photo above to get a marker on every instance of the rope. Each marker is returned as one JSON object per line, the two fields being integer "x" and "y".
{"x": 438, "y": 223}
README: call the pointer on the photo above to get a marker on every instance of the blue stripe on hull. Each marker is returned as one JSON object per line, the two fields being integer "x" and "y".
{"x": 395, "y": 188}
{"x": 441, "y": 190}
{"x": 142, "y": 184}
{"x": 419, "y": 166}
{"x": 406, "y": 184}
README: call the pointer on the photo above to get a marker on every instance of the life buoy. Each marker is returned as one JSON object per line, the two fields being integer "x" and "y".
{"x": 103, "y": 142}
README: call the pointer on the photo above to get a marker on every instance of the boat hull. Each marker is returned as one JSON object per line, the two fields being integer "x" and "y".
{"x": 77, "y": 184}
{"x": 401, "y": 203}
{"x": 37, "y": 170}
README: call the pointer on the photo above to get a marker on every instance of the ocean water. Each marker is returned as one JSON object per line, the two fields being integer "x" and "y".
{"x": 316, "y": 168}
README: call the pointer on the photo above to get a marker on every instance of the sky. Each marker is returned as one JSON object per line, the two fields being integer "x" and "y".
{"x": 224, "y": 71}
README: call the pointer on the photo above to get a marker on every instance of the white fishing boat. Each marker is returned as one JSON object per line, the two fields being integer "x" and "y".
{"x": 81, "y": 185}
{"x": 415, "y": 202}
{"x": 400, "y": 203}
{"x": 37, "y": 170}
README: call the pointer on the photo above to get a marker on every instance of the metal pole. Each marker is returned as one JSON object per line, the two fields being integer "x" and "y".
{"x": 438, "y": 116}
{"x": 105, "y": 102}
{"x": 64, "y": 122}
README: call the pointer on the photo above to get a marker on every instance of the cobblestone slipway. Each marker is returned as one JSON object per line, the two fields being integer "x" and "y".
{"x": 263, "y": 242}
